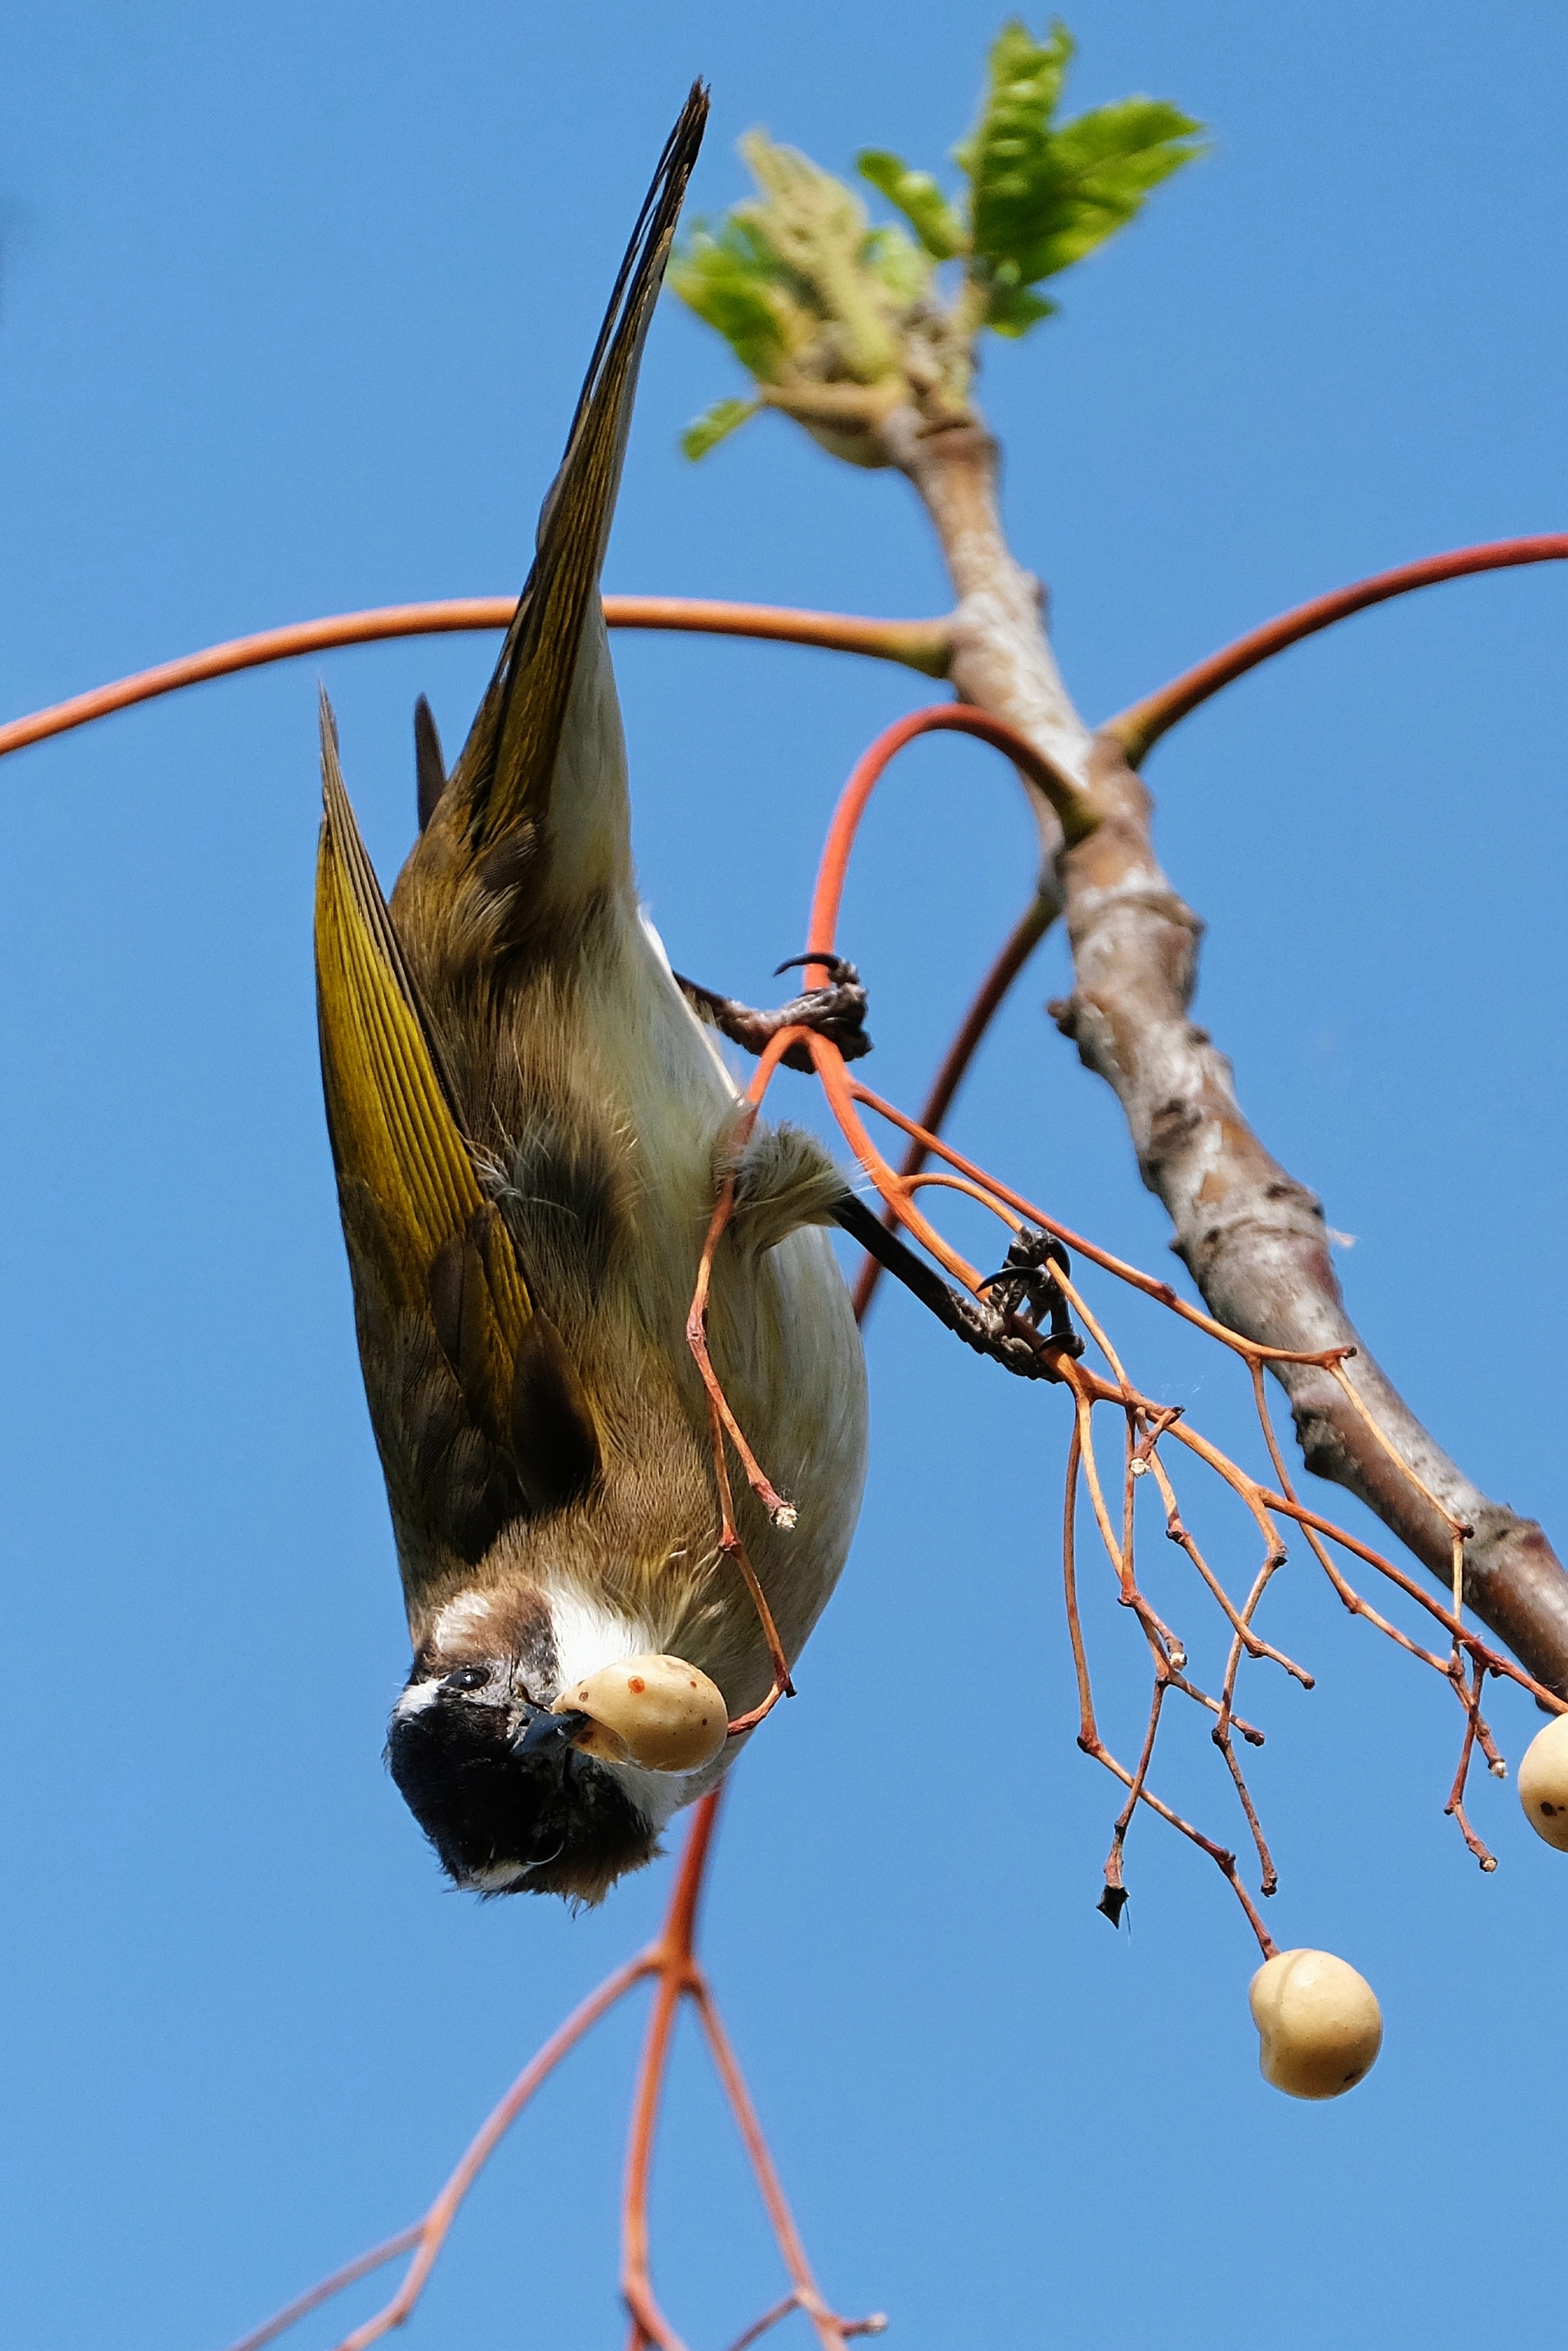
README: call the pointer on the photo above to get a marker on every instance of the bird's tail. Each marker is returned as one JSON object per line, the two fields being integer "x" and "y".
{"x": 502, "y": 781}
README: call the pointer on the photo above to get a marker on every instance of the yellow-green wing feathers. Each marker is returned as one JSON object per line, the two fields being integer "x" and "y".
{"x": 479, "y": 1408}
{"x": 392, "y": 1130}
{"x": 448, "y": 1334}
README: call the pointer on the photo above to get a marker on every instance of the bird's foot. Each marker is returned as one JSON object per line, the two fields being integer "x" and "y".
{"x": 1027, "y": 1292}
{"x": 991, "y": 1328}
{"x": 836, "y": 1012}
{"x": 1011, "y": 1340}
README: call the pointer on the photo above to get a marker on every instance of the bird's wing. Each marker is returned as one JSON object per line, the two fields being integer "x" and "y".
{"x": 478, "y": 1411}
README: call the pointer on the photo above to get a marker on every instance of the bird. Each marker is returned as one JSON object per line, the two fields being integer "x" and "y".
{"x": 530, "y": 1126}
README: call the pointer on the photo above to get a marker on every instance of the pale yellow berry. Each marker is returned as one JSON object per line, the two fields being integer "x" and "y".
{"x": 1318, "y": 2022}
{"x": 659, "y": 1713}
{"x": 1543, "y": 1784}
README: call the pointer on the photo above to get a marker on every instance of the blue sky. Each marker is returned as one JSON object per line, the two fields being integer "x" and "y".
{"x": 293, "y": 308}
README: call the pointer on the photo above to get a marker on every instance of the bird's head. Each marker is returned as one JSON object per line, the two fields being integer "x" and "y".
{"x": 528, "y": 1780}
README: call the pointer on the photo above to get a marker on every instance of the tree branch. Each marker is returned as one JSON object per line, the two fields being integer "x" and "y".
{"x": 1252, "y": 1237}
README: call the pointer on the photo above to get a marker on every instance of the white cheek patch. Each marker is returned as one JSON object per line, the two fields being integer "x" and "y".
{"x": 499, "y": 1879}
{"x": 586, "y": 1636}
{"x": 416, "y": 1697}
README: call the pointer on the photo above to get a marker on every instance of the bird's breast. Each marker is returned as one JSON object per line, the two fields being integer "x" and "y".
{"x": 644, "y": 1095}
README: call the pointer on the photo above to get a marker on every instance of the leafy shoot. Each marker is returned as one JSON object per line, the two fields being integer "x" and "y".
{"x": 839, "y": 321}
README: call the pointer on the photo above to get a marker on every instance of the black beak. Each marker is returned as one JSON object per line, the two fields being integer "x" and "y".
{"x": 549, "y": 1734}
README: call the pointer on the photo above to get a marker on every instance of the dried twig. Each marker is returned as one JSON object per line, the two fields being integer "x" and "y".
{"x": 1456, "y": 1804}
{"x": 1146, "y": 1425}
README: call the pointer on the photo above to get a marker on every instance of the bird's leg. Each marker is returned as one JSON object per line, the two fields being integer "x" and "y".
{"x": 836, "y": 1012}
{"x": 994, "y": 1328}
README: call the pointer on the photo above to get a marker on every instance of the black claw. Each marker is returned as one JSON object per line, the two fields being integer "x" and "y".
{"x": 836, "y": 1012}
{"x": 1007, "y": 1338}
{"x": 1012, "y": 1340}
{"x": 1025, "y": 1290}
{"x": 842, "y": 974}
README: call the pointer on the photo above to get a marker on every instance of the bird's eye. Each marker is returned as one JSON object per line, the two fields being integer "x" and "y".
{"x": 467, "y": 1678}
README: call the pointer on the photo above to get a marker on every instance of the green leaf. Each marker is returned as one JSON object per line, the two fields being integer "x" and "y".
{"x": 816, "y": 225}
{"x": 917, "y": 196}
{"x": 1044, "y": 197}
{"x": 897, "y": 262}
{"x": 1026, "y": 78}
{"x": 728, "y": 279}
{"x": 1101, "y": 169}
{"x": 1012, "y": 310}
{"x": 720, "y": 421}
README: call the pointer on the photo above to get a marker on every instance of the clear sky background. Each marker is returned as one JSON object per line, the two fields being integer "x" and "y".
{"x": 293, "y": 308}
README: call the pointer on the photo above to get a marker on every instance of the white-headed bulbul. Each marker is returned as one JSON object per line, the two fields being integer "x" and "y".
{"x": 530, "y": 1127}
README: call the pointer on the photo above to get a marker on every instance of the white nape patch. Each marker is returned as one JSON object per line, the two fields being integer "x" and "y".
{"x": 588, "y": 1636}
{"x": 462, "y": 1618}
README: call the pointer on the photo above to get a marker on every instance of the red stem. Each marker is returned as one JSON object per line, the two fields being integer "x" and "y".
{"x": 956, "y": 717}
{"x": 924, "y": 646}
{"x": 1140, "y": 727}
{"x": 942, "y": 717}
{"x": 917, "y": 644}
{"x": 349, "y": 2274}
{"x": 1026, "y": 936}
{"x": 675, "y": 1959}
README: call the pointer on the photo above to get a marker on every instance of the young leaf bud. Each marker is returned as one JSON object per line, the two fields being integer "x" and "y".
{"x": 1543, "y": 1784}
{"x": 1318, "y": 2022}
{"x": 659, "y": 1713}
